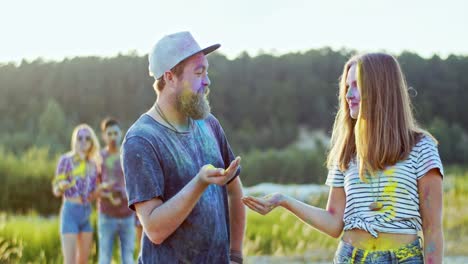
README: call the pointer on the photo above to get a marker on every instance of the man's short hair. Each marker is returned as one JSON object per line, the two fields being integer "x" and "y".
{"x": 107, "y": 122}
{"x": 178, "y": 70}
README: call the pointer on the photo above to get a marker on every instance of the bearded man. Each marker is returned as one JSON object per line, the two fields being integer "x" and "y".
{"x": 180, "y": 172}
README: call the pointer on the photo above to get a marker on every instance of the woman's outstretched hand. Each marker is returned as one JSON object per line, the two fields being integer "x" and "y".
{"x": 265, "y": 204}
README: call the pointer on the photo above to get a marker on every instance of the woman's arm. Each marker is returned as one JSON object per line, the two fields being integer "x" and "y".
{"x": 61, "y": 179}
{"x": 328, "y": 221}
{"x": 430, "y": 206}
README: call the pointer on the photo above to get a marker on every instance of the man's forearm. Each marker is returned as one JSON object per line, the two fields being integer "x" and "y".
{"x": 163, "y": 220}
{"x": 236, "y": 215}
{"x": 237, "y": 222}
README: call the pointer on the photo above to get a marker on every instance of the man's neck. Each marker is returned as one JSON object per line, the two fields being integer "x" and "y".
{"x": 169, "y": 112}
{"x": 112, "y": 149}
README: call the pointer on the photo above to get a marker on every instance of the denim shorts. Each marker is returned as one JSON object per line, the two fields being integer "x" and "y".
{"x": 408, "y": 254}
{"x": 74, "y": 218}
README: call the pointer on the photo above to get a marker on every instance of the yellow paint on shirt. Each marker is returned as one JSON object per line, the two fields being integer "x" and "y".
{"x": 389, "y": 172}
{"x": 80, "y": 170}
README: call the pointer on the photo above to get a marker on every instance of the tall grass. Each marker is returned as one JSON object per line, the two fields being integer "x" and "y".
{"x": 26, "y": 178}
{"x": 456, "y": 212}
{"x": 282, "y": 234}
{"x": 26, "y": 182}
{"x": 32, "y": 238}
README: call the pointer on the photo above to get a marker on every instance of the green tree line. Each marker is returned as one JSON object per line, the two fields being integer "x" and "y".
{"x": 261, "y": 102}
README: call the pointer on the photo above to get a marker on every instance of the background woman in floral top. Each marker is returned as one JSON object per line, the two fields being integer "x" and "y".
{"x": 75, "y": 180}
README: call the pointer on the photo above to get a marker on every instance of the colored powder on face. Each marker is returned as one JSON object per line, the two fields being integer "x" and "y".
{"x": 349, "y": 93}
{"x": 186, "y": 85}
{"x": 83, "y": 133}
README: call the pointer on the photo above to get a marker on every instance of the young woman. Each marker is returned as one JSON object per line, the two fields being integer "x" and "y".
{"x": 385, "y": 173}
{"x": 75, "y": 181}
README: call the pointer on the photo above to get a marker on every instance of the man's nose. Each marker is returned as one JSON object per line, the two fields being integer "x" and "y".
{"x": 206, "y": 81}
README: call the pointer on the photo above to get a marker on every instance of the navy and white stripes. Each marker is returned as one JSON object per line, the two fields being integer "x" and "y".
{"x": 398, "y": 191}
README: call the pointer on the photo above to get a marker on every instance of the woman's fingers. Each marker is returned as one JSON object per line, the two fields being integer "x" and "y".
{"x": 261, "y": 201}
{"x": 257, "y": 201}
{"x": 256, "y": 207}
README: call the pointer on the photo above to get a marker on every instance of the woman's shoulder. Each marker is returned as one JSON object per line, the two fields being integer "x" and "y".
{"x": 425, "y": 139}
{"x": 67, "y": 157}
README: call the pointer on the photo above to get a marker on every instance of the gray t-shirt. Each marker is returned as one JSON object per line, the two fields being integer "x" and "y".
{"x": 159, "y": 162}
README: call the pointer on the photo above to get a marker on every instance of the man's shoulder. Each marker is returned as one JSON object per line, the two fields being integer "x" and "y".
{"x": 212, "y": 120}
{"x": 144, "y": 127}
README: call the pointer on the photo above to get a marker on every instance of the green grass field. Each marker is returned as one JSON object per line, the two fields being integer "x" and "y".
{"x": 34, "y": 239}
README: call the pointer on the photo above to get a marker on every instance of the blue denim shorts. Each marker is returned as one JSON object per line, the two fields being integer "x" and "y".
{"x": 75, "y": 218}
{"x": 408, "y": 254}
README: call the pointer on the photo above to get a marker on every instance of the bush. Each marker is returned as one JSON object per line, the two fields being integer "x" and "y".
{"x": 26, "y": 182}
{"x": 287, "y": 166}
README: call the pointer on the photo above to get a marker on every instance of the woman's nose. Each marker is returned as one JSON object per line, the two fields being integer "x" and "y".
{"x": 350, "y": 94}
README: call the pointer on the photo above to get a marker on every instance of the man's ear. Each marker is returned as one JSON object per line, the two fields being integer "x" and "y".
{"x": 168, "y": 77}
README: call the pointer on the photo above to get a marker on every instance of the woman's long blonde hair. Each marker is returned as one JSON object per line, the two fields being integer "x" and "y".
{"x": 93, "y": 154}
{"x": 385, "y": 130}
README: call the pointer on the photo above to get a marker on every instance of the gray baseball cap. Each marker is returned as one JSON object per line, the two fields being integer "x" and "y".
{"x": 172, "y": 49}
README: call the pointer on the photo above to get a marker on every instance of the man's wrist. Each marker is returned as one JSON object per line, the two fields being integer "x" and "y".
{"x": 200, "y": 181}
{"x": 236, "y": 256}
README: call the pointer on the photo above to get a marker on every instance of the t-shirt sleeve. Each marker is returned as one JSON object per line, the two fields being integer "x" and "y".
{"x": 226, "y": 150}
{"x": 144, "y": 179}
{"x": 427, "y": 157}
{"x": 335, "y": 177}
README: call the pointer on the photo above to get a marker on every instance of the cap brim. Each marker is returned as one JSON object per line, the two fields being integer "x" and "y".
{"x": 205, "y": 51}
{"x": 211, "y": 48}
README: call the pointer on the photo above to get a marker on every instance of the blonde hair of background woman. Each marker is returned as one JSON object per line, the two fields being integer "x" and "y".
{"x": 94, "y": 153}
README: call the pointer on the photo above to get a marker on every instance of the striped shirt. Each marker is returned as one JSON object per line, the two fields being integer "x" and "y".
{"x": 397, "y": 191}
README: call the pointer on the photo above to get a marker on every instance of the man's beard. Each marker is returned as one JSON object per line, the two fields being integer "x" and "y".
{"x": 193, "y": 105}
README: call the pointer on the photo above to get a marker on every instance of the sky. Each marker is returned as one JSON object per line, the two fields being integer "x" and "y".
{"x": 58, "y": 29}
